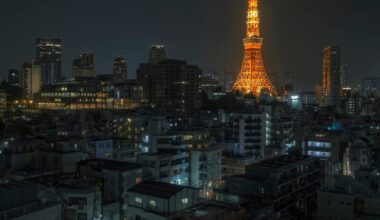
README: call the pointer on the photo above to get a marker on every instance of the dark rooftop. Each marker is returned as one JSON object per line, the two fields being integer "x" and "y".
{"x": 157, "y": 189}
{"x": 280, "y": 161}
{"x": 101, "y": 164}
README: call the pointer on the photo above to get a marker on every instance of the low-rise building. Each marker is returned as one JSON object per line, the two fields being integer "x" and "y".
{"x": 100, "y": 148}
{"x": 20, "y": 201}
{"x": 115, "y": 177}
{"x": 165, "y": 168}
{"x": 236, "y": 164}
{"x": 34, "y": 155}
{"x": 329, "y": 148}
{"x": 289, "y": 183}
{"x": 80, "y": 201}
{"x": 160, "y": 201}
{"x": 347, "y": 198}
{"x": 358, "y": 155}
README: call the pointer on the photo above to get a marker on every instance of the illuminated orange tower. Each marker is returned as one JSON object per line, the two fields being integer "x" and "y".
{"x": 252, "y": 78}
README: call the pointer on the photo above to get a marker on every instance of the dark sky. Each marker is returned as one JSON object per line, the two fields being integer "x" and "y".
{"x": 204, "y": 32}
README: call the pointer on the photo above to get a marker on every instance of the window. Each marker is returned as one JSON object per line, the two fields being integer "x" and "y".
{"x": 318, "y": 153}
{"x": 138, "y": 180}
{"x": 152, "y": 203}
{"x": 319, "y": 144}
{"x": 138, "y": 199}
{"x": 184, "y": 201}
{"x": 261, "y": 190}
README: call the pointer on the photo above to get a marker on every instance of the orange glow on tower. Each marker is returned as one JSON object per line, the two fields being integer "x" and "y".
{"x": 252, "y": 78}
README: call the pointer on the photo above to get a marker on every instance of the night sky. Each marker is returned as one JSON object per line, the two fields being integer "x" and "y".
{"x": 204, "y": 32}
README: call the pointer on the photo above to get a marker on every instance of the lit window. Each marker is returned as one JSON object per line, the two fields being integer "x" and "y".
{"x": 138, "y": 180}
{"x": 318, "y": 154}
{"x": 138, "y": 199}
{"x": 319, "y": 144}
{"x": 184, "y": 201}
{"x": 152, "y": 203}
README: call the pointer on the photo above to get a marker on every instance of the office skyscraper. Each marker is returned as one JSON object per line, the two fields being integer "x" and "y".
{"x": 30, "y": 79}
{"x": 289, "y": 82}
{"x": 371, "y": 86}
{"x": 13, "y": 77}
{"x": 84, "y": 66}
{"x": 172, "y": 85}
{"x": 49, "y": 57}
{"x": 157, "y": 54}
{"x": 120, "y": 70}
{"x": 331, "y": 75}
{"x": 344, "y": 72}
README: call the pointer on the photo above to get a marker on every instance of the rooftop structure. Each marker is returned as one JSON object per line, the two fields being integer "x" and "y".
{"x": 157, "y": 189}
{"x": 101, "y": 164}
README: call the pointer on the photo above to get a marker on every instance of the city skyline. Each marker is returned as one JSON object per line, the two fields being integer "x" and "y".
{"x": 124, "y": 31}
{"x": 189, "y": 110}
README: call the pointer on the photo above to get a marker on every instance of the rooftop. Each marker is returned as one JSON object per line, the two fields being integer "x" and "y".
{"x": 157, "y": 189}
{"x": 102, "y": 164}
{"x": 215, "y": 210}
{"x": 280, "y": 161}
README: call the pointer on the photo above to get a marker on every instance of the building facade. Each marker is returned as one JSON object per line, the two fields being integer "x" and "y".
{"x": 120, "y": 70}
{"x": 157, "y": 54}
{"x": 172, "y": 85}
{"x": 74, "y": 95}
{"x": 331, "y": 75}
{"x": 254, "y": 133}
{"x": 289, "y": 182}
{"x": 84, "y": 66}
{"x": 30, "y": 79}
{"x": 49, "y": 57}
{"x": 159, "y": 201}
{"x": 13, "y": 77}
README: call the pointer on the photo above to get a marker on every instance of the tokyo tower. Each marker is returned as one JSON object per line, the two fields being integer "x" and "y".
{"x": 252, "y": 78}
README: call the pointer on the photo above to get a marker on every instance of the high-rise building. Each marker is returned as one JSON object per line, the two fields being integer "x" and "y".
{"x": 309, "y": 101}
{"x": 157, "y": 54}
{"x": 371, "y": 86}
{"x": 252, "y": 78}
{"x": 30, "y": 79}
{"x": 288, "y": 82}
{"x": 120, "y": 70}
{"x": 84, "y": 66}
{"x": 351, "y": 102}
{"x": 13, "y": 77}
{"x": 49, "y": 57}
{"x": 343, "y": 77}
{"x": 3, "y": 103}
{"x": 331, "y": 75}
{"x": 318, "y": 90}
{"x": 173, "y": 85}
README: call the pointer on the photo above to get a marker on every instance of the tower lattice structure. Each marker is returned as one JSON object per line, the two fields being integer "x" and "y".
{"x": 252, "y": 78}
